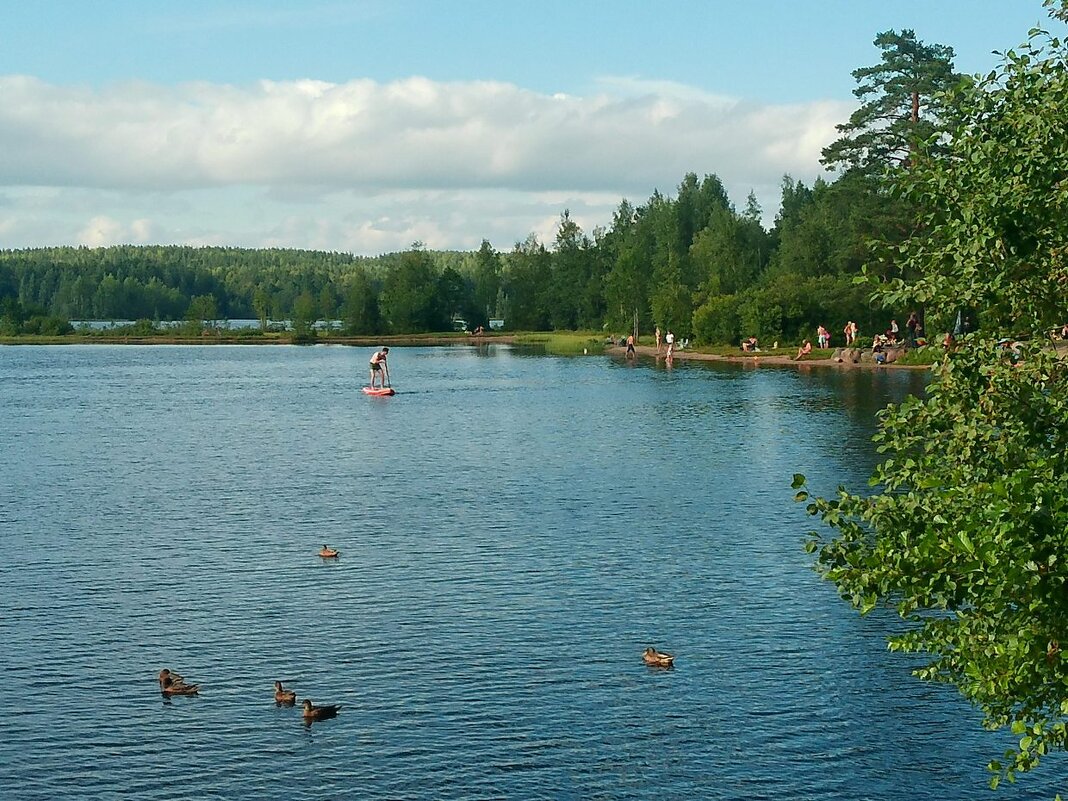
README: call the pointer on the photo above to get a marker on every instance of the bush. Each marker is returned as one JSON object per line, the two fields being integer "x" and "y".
{"x": 142, "y": 328}
{"x": 45, "y": 325}
{"x": 925, "y": 355}
{"x": 716, "y": 320}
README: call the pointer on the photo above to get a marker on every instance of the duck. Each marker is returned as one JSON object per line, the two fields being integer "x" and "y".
{"x": 180, "y": 689}
{"x": 168, "y": 677}
{"x": 171, "y": 683}
{"x": 287, "y": 697}
{"x": 329, "y": 553}
{"x": 312, "y": 713}
{"x": 656, "y": 658}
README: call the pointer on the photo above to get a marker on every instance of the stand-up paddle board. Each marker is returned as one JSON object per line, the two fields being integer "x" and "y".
{"x": 380, "y": 392}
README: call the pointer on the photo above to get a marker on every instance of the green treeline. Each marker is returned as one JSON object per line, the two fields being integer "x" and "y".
{"x": 691, "y": 262}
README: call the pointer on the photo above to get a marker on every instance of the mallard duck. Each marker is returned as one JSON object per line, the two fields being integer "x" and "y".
{"x": 313, "y": 713}
{"x": 329, "y": 553}
{"x": 174, "y": 678}
{"x": 287, "y": 697}
{"x": 180, "y": 689}
{"x": 656, "y": 658}
{"x": 170, "y": 683}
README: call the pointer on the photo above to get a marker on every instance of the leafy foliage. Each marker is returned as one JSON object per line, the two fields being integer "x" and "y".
{"x": 996, "y": 208}
{"x": 410, "y": 303}
{"x": 967, "y": 537}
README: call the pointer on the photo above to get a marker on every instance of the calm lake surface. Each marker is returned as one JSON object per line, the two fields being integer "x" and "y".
{"x": 514, "y": 530}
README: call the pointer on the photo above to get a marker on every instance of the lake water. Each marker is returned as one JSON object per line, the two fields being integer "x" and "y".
{"x": 225, "y": 325}
{"x": 514, "y": 530}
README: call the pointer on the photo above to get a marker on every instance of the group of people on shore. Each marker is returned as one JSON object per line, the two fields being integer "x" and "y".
{"x": 823, "y": 339}
{"x": 850, "y": 332}
{"x": 665, "y": 339}
{"x": 661, "y": 338}
{"x": 913, "y": 326}
{"x": 892, "y": 337}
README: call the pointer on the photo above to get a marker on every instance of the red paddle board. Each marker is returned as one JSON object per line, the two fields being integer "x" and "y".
{"x": 380, "y": 392}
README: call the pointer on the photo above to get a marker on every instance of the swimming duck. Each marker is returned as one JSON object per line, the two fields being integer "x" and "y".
{"x": 170, "y": 683}
{"x": 656, "y": 658}
{"x": 287, "y": 697}
{"x": 329, "y": 553}
{"x": 167, "y": 677}
{"x": 180, "y": 689}
{"x": 312, "y": 713}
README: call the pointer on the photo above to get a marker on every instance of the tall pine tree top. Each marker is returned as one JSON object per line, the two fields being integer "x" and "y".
{"x": 900, "y": 105}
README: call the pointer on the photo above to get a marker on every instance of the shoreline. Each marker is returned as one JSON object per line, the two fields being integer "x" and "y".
{"x": 356, "y": 341}
{"x": 758, "y": 359}
{"x": 438, "y": 340}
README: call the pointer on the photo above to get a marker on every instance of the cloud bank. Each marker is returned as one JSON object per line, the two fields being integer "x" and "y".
{"x": 368, "y": 167}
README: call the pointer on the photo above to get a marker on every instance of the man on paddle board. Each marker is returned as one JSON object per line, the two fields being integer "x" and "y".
{"x": 379, "y": 368}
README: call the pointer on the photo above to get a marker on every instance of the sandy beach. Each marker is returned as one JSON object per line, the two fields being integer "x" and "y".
{"x": 762, "y": 360}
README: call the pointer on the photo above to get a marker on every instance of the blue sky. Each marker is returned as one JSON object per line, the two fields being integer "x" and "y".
{"x": 364, "y": 125}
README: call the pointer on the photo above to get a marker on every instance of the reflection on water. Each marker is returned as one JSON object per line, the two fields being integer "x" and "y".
{"x": 514, "y": 532}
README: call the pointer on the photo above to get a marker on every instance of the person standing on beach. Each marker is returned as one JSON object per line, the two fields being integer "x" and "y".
{"x": 379, "y": 367}
{"x": 630, "y": 346}
{"x": 911, "y": 325}
{"x": 670, "y": 339}
{"x": 657, "y": 335}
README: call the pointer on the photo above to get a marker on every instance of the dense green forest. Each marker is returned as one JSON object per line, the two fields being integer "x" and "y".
{"x": 691, "y": 261}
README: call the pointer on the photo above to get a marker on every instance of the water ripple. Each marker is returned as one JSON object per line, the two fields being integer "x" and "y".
{"x": 514, "y": 530}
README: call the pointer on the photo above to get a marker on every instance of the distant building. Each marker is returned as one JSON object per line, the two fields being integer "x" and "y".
{"x": 496, "y": 325}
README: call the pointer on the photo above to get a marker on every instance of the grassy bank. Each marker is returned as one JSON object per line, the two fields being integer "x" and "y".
{"x": 564, "y": 343}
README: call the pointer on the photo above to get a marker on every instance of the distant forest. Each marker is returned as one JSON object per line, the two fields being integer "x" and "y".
{"x": 691, "y": 262}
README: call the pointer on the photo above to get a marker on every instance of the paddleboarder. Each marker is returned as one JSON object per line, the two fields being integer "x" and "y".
{"x": 380, "y": 368}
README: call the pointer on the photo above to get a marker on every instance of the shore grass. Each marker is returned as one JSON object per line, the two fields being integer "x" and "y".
{"x": 563, "y": 343}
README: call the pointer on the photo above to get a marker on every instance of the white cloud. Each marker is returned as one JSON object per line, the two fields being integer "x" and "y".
{"x": 632, "y": 86}
{"x": 101, "y": 231}
{"x": 367, "y": 167}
